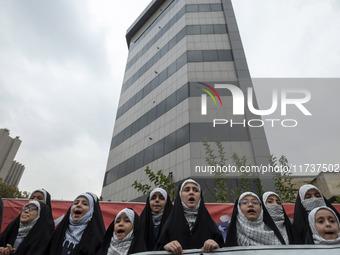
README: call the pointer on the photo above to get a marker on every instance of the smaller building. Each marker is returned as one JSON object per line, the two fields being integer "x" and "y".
{"x": 10, "y": 170}
{"x": 327, "y": 182}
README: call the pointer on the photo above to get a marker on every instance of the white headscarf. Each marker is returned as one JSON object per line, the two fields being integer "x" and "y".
{"x": 24, "y": 228}
{"x": 316, "y": 236}
{"x": 277, "y": 214}
{"x": 42, "y": 191}
{"x": 121, "y": 247}
{"x": 157, "y": 216}
{"x": 311, "y": 203}
{"x": 253, "y": 232}
{"x": 190, "y": 214}
{"x": 75, "y": 229}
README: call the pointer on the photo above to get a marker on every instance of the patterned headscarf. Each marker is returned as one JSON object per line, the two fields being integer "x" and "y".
{"x": 253, "y": 232}
{"x": 24, "y": 228}
{"x": 277, "y": 214}
{"x": 121, "y": 247}
{"x": 311, "y": 203}
{"x": 316, "y": 236}
{"x": 157, "y": 216}
{"x": 76, "y": 229}
{"x": 190, "y": 214}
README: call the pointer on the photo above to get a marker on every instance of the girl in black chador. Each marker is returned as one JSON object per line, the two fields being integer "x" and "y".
{"x": 29, "y": 233}
{"x": 157, "y": 210}
{"x": 190, "y": 225}
{"x": 123, "y": 235}
{"x": 308, "y": 198}
{"x": 251, "y": 224}
{"x": 81, "y": 231}
{"x": 43, "y": 196}
{"x": 274, "y": 206}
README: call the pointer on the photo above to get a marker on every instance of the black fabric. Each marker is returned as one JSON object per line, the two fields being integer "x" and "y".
{"x": 48, "y": 203}
{"x": 292, "y": 235}
{"x": 231, "y": 239}
{"x": 36, "y": 240}
{"x": 301, "y": 224}
{"x": 91, "y": 239}
{"x": 137, "y": 244}
{"x": 177, "y": 228}
{"x": 147, "y": 226}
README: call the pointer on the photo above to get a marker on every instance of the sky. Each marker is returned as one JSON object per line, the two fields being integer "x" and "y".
{"x": 62, "y": 65}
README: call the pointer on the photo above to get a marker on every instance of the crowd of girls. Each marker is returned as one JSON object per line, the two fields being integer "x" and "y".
{"x": 162, "y": 226}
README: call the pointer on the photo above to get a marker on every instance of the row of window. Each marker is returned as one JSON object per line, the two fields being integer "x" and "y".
{"x": 189, "y": 30}
{"x": 172, "y": 21}
{"x": 157, "y": 111}
{"x": 187, "y": 57}
{"x": 189, "y": 89}
{"x": 193, "y": 132}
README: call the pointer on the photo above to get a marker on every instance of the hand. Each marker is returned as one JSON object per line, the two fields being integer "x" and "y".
{"x": 7, "y": 250}
{"x": 174, "y": 247}
{"x": 210, "y": 245}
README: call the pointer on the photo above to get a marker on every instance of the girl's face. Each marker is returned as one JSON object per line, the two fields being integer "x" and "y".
{"x": 157, "y": 202}
{"x": 123, "y": 226}
{"x": 190, "y": 195}
{"x": 37, "y": 196}
{"x": 273, "y": 200}
{"x": 326, "y": 224}
{"x": 80, "y": 206}
{"x": 28, "y": 213}
{"x": 250, "y": 207}
{"x": 312, "y": 193}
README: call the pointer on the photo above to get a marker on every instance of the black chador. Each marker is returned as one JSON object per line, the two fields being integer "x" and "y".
{"x": 304, "y": 206}
{"x": 193, "y": 237}
{"x": 152, "y": 223}
{"x": 30, "y": 238}
{"x": 281, "y": 219}
{"x": 244, "y": 232}
{"x": 88, "y": 236}
{"x": 132, "y": 243}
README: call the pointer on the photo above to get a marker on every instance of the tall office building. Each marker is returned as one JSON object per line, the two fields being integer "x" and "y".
{"x": 10, "y": 170}
{"x": 178, "y": 51}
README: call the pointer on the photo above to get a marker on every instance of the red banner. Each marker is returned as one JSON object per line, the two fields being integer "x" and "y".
{"x": 219, "y": 212}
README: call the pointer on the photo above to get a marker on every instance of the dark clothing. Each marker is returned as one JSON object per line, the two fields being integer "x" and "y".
{"x": 36, "y": 240}
{"x": 148, "y": 229}
{"x": 91, "y": 239}
{"x": 177, "y": 228}
{"x": 231, "y": 239}
{"x": 137, "y": 244}
{"x": 301, "y": 224}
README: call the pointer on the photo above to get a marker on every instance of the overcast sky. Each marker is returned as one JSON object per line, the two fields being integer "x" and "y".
{"x": 62, "y": 65}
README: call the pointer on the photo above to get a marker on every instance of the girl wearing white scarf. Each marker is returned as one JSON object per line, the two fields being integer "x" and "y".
{"x": 277, "y": 213}
{"x": 77, "y": 225}
{"x": 120, "y": 245}
{"x": 311, "y": 197}
{"x": 324, "y": 225}
{"x": 253, "y": 232}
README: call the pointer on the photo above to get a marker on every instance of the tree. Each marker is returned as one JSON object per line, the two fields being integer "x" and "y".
{"x": 159, "y": 180}
{"x": 283, "y": 180}
{"x": 11, "y": 191}
{"x": 223, "y": 187}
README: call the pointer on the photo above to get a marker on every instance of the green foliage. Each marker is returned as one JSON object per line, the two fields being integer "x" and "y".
{"x": 283, "y": 180}
{"x": 337, "y": 200}
{"x": 220, "y": 181}
{"x": 222, "y": 189}
{"x": 158, "y": 179}
{"x": 11, "y": 191}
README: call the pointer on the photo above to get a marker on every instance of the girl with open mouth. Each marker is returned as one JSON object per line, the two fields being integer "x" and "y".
{"x": 123, "y": 235}
{"x": 190, "y": 225}
{"x": 82, "y": 229}
{"x": 251, "y": 224}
